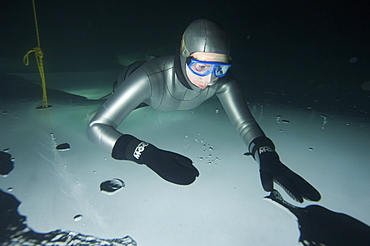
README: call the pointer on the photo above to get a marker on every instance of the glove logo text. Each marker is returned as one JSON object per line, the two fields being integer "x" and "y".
{"x": 139, "y": 149}
{"x": 264, "y": 149}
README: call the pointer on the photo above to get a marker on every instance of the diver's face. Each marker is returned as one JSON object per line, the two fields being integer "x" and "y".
{"x": 208, "y": 80}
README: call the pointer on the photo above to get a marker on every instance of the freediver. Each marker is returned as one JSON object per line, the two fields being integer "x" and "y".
{"x": 181, "y": 82}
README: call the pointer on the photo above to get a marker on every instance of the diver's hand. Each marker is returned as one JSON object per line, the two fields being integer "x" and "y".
{"x": 170, "y": 166}
{"x": 271, "y": 169}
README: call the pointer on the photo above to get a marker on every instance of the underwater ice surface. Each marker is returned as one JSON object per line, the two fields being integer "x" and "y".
{"x": 60, "y": 190}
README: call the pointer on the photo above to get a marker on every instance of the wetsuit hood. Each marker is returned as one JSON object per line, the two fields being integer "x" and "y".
{"x": 201, "y": 35}
{"x": 180, "y": 71}
{"x": 204, "y": 35}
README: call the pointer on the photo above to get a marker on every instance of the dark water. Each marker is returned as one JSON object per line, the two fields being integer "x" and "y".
{"x": 299, "y": 53}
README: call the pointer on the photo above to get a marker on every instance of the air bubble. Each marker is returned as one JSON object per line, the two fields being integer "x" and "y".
{"x": 325, "y": 120}
{"x": 353, "y": 59}
{"x": 365, "y": 86}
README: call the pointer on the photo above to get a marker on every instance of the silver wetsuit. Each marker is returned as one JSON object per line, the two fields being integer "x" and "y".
{"x": 162, "y": 84}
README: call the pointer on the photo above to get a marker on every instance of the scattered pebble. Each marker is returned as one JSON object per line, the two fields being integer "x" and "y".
{"x": 78, "y": 217}
{"x": 63, "y": 147}
{"x": 279, "y": 120}
{"x": 44, "y": 107}
{"x": 111, "y": 186}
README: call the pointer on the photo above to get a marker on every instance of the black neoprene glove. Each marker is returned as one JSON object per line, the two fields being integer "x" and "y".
{"x": 170, "y": 166}
{"x": 271, "y": 169}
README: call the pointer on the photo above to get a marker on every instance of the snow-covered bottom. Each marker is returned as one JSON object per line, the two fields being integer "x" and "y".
{"x": 224, "y": 206}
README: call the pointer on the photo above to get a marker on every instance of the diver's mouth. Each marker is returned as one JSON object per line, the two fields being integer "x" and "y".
{"x": 203, "y": 86}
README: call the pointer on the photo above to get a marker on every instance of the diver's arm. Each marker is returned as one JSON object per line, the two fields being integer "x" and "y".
{"x": 238, "y": 112}
{"x": 262, "y": 148}
{"x": 102, "y": 129}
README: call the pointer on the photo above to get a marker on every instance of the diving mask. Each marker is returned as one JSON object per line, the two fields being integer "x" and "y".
{"x": 203, "y": 68}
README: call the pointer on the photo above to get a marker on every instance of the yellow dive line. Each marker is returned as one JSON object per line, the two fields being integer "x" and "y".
{"x": 39, "y": 55}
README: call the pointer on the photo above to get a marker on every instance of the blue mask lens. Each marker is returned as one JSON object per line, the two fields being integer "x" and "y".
{"x": 203, "y": 68}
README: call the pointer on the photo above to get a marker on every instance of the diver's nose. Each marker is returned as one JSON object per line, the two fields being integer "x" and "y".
{"x": 213, "y": 79}
{"x": 209, "y": 79}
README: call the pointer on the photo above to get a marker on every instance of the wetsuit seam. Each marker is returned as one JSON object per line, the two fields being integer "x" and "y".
{"x": 150, "y": 83}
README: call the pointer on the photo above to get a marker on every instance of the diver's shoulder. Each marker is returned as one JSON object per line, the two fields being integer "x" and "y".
{"x": 164, "y": 61}
{"x": 226, "y": 83}
{"x": 158, "y": 64}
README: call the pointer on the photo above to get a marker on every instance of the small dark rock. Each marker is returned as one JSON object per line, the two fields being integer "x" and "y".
{"x": 63, "y": 147}
{"x": 111, "y": 186}
{"x": 6, "y": 163}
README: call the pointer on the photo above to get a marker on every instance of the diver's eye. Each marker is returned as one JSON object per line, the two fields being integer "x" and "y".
{"x": 202, "y": 67}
